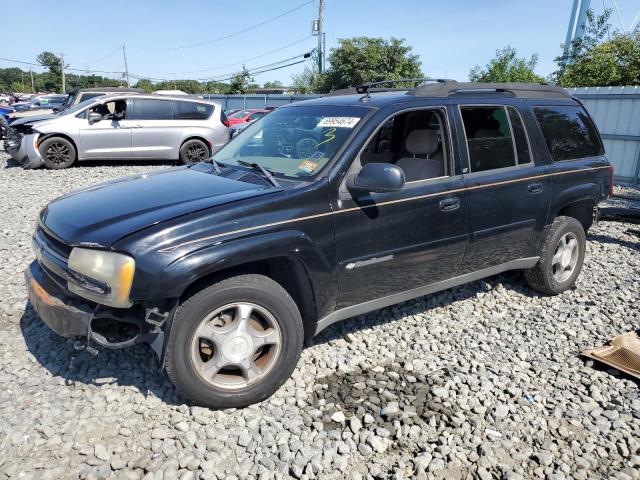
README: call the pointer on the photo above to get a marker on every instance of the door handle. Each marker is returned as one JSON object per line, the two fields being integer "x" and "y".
{"x": 534, "y": 187}
{"x": 450, "y": 204}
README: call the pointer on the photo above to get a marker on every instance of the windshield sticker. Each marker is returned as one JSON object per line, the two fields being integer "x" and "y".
{"x": 308, "y": 166}
{"x": 339, "y": 122}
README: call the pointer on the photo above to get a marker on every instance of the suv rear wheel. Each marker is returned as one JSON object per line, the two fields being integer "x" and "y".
{"x": 194, "y": 151}
{"x": 561, "y": 258}
{"x": 57, "y": 153}
{"x": 235, "y": 342}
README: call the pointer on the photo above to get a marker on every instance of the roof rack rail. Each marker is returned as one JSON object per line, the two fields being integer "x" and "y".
{"x": 365, "y": 87}
{"x": 521, "y": 90}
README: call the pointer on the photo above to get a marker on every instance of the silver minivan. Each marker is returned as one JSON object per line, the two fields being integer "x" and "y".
{"x": 122, "y": 127}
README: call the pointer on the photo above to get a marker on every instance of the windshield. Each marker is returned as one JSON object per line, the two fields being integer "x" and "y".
{"x": 294, "y": 142}
{"x": 240, "y": 114}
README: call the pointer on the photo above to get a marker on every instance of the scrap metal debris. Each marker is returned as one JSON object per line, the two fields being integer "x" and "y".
{"x": 622, "y": 353}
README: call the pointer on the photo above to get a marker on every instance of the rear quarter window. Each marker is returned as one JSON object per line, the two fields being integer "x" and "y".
{"x": 568, "y": 132}
{"x": 193, "y": 111}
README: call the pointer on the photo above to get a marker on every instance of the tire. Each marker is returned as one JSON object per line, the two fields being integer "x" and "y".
{"x": 57, "y": 153}
{"x": 187, "y": 369}
{"x": 194, "y": 151}
{"x": 550, "y": 275}
{"x": 305, "y": 147}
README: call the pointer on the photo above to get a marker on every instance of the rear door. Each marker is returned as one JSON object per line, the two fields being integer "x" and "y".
{"x": 155, "y": 134}
{"x": 508, "y": 192}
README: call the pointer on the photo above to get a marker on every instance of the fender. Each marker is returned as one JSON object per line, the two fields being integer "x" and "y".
{"x": 291, "y": 244}
{"x": 575, "y": 193}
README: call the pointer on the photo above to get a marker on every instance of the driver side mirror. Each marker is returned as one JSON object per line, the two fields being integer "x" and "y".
{"x": 94, "y": 117}
{"x": 377, "y": 178}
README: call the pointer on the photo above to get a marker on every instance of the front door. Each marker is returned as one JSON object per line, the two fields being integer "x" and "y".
{"x": 110, "y": 138}
{"x": 389, "y": 243}
{"x": 508, "y": 193}
{"x": 155, "y": 135}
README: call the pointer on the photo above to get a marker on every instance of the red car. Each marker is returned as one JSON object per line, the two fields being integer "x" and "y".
{"x": 248, "y": 115}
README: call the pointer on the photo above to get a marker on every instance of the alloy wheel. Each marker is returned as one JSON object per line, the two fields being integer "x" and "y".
{"x": 58, "y": 153}
{"x": 196, "y": 153}
{"x": 565, "y": 258}
{"x": 236, "y": 345}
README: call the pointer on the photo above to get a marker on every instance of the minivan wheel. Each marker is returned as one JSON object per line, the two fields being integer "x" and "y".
{"x": 194, "y": 151}
{"x": 57, "y": 153}
{"x": 235, "y": 342}
{"x": 561, "y": 258}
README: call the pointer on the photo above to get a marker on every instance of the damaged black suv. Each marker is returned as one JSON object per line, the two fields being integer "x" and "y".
{"x": 320, "y": 211}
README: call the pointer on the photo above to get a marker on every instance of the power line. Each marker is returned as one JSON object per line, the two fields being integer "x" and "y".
{"x": 66, "y": 68}
{"x": 235, "y": 34}
{"x": 110, "y": 54}
{"x": 241, "y": 62}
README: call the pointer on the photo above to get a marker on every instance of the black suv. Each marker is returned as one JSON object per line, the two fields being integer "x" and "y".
{"x": 320, "y": 211}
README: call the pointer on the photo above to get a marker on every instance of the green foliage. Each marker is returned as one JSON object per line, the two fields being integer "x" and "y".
{"x": 274, "y": 84}
{"x": 240, "y": 83}
{"x": 507, "y": 67}
{"x": 307, "y": 81}
{"x": 366, "y": 59}
{"x": 11, "y": 80}
{"x": 601, "y": 57}
{"x": 51, "y": 61}
{"x": 145, "y": 84}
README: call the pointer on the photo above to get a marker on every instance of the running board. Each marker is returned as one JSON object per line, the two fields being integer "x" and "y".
{"x": 370, "y": 306}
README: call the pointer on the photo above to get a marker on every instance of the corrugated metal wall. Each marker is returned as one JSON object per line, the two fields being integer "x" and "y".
{"x": 616, "y": 111}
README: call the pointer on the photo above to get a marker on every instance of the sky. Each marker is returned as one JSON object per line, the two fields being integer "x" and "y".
{"x": 185, "y": 39}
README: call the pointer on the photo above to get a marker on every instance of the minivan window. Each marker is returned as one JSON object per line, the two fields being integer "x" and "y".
{"x": 192, "y": 111}
{"x": 489, "y": 138}
{"x": 568, "y": 132}
{"x": 87, "y": 96}
{"x": 150, "y": 109}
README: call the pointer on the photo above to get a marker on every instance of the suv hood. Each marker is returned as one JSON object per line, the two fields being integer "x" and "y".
{"x": 103, "y": 214}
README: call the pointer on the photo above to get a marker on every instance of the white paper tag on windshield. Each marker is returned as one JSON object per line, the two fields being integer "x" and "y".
{"x": 339, "y": 122}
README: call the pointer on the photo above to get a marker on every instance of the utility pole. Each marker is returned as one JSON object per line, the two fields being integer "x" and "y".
{"x": 126, "y": 67}
{"x": 33, "y": 90}
{"x": 64, "y": 90}
{"x": 320, "y": 37}
{"x": 22, "y": 80}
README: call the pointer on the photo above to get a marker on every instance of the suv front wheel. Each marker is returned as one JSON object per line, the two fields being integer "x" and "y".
{"x": 561, "y": 258}
{"x": 235, "y": 342}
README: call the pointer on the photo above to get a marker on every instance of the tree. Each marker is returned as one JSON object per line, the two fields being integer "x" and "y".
{"x": 601, "y": 57}
{"x": 507, "y": 67}
{"x": 51, "y": 61}
{"x": 274, "y": 84}
{"x": 307, "y": 81}
{"x": 145, "y": 84}
{"x": 365, "y": 59}
{"x": 240, "y": 82}
{"x": 596, "y": 29}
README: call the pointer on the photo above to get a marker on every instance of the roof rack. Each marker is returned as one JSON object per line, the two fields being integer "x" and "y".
{"x": 369, "y": 87}
{"x": 520, "y": 90}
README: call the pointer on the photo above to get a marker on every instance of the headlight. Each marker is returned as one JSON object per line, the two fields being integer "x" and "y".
{"x": 104, "y": 277}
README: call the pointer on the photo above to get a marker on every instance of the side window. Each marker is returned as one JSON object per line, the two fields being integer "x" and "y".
{"x": 489, "y": 138}
{"x": 415, "y": 141}
{"x": 87, "y": 96}
{"x": 115, "y": 110}
{"x": 148, "y": 109}
{"x": 568, "y": 132}
{"x": 192, "y": 111}
{"x": 520, "y": 136}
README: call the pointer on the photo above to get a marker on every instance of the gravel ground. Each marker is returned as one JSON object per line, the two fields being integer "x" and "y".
{"x": 480, "y": 381}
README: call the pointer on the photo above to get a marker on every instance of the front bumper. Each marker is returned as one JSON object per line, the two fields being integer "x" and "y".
{"x": 23, "y": 149}
{"x": 67, "y": 316}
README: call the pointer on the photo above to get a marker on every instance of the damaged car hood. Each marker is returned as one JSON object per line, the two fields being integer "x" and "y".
{"x": 103, "y": 214}
{"x": 29, "y": 121}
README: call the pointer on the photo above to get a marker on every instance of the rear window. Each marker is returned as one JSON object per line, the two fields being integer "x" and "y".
{"x": 568, "y": 132}
{"x": 193, "y": 111}
{"x": 148, "y": 109}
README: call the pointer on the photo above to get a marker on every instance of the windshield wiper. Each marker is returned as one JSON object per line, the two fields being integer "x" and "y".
{"x": 266, "y": 172}
{"x": 216, "y": 165}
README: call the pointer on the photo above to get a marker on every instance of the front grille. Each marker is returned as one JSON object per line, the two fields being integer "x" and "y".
{"x": 60, "y": 248}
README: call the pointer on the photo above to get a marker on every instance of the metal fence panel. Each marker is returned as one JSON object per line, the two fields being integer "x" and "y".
{"x": 616, "y": 111}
